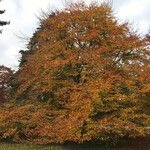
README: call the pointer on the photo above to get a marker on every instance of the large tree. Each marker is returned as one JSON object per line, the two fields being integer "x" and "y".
{"x": 90, "y": 75}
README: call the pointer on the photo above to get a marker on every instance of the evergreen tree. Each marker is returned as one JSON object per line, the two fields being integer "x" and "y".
{"x": 3, "y": 23}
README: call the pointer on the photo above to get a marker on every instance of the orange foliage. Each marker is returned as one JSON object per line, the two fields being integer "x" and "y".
{"x": 89, "y": 75}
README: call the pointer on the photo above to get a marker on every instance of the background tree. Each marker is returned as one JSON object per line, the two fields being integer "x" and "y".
{"x": 5, "y": 74}
{"x": 2, "y": 23}
{"x": 84, "y": 77}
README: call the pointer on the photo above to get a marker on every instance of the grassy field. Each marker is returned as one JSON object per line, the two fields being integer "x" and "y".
{"x": 27, "y": 147}
{"x": 68, "y": 147}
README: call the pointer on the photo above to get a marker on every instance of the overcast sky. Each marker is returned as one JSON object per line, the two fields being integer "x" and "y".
{"x": 22, "y": 14}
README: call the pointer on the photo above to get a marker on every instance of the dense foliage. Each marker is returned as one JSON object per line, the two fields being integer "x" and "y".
{"x": 5, "y": 75}
{"x": 84, "y": 77}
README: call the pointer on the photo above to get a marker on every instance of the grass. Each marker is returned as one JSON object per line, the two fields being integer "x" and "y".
{"x": 136, "y": 145}
{"x": 4, "y": 146}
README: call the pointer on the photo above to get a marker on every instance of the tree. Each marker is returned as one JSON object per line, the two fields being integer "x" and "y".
{"x": 88, "y": 73}
{"x": 5, "y": 74}
{"x": 3, "y": 23}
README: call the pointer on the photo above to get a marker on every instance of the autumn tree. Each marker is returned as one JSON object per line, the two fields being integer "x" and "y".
{"x": 5, "y": 74}
{"x": 90, "y": 75}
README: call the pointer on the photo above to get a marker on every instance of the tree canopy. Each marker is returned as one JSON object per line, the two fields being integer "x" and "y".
{"x": 84, "y": 77}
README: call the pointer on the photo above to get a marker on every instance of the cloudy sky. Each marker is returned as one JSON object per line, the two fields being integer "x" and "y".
{"x": 22, "y": 14}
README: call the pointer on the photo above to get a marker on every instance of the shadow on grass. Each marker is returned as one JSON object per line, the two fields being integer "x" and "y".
{"x": 130, "y": 144}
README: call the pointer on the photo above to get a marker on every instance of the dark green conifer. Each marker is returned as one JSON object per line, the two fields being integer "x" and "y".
{"x": 3, "y": 23}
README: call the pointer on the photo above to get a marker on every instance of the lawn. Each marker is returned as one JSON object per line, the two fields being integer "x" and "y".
{"x": 4, "y": 146}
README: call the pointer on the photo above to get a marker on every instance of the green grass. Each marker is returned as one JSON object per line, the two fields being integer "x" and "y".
{"x": 4, "y": 146}
{"x": 27, "y": 147}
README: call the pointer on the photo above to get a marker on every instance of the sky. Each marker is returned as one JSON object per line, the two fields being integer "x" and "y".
{"x": 23, "y": 17}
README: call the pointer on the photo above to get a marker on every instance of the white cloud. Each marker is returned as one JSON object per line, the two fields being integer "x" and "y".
{"x": 22, "y": 14}
{"x": 136, "y": 12}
